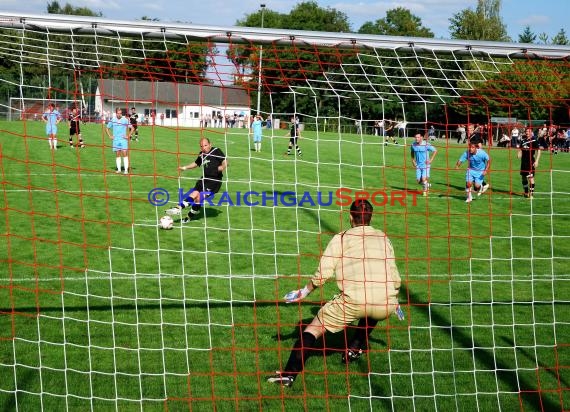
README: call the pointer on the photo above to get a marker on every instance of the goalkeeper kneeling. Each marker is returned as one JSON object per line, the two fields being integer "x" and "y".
{"x": 361, "y": 260}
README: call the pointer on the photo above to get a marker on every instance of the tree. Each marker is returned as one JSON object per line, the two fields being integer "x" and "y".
{"x": 310, "y": 16}
{"x": 55, "y": 8}
{"x": 243, "y": 56}
{"x": 543, "y": 37}
{"x": 526, "y": 89}
{"x": 483, "y": 23}
{"x": 527, "y": 36}
{"x": 294, "y": 65}
{"x": 398, "y": 22}
{"x": 560, "y": 38}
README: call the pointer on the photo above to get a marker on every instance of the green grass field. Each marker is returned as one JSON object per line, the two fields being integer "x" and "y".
{"x": 101, "y": 310}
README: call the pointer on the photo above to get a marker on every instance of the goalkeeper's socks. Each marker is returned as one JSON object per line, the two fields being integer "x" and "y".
{"x": 299, "y": 353}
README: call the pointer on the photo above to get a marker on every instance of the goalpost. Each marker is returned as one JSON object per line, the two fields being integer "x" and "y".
{"x": 101, "y": 309}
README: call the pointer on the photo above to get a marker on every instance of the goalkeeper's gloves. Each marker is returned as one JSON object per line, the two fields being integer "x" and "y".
{"x": 400, "y": 313}
{"x": 296, "y": 295}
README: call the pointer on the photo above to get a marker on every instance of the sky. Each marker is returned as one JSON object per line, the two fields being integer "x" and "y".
{"x": 548, "y": 16}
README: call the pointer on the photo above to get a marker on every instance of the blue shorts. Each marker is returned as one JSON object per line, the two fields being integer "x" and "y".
{"x": 257, "y": 137}
{"x": 51, "y": 129}
{"x": 475, "y": 176}
{"x": 120, "y": 144}
{"x": 422, "y": 171}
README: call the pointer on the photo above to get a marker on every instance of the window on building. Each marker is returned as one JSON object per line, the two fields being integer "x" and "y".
{"x": 171, "y": 114}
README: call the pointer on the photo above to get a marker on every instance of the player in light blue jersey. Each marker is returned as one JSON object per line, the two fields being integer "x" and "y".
{"x": 51, "y": 118}
{"x": 256, "y": 129}
{"x": 420, "y": 151}
{"x": 478, "y": 167}
{"x": 119, "y": 130}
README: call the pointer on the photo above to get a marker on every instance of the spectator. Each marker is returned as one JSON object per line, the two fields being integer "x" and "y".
{"x": 542, "y": 136}
{"x": 461, "y": 134}
{"x": 505, "y": 141}
{"x": 389, "y": 131}
{"x": 515, "y": 135}
{"x": 431, "y": 132}
{"x": 358, "y": 125}
{"x": 401, "y": 127}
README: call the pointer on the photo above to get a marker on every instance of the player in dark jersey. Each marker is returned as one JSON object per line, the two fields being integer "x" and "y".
{"x": 74, "y": 120}
{"x": 134, "y": 118}
{"x": 529, "y": 153}
{"x": 294, "y": 135}
{"x": 213, "y": 162}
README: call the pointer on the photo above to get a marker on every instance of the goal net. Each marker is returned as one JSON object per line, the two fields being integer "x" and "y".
{"x": 102, "y": 309}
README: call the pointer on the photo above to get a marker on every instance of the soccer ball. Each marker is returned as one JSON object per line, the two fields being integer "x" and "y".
{"x": 166, "y": 222}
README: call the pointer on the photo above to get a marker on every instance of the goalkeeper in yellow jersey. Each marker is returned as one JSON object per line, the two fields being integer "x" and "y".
{"x": 361, "y": 260}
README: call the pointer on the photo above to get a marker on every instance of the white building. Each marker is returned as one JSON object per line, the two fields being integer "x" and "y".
{"x": 171, "y": 104}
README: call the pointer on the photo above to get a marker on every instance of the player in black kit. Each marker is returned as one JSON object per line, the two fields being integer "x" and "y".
{"x": 294, "y": 136}
{"x": 213, "y": 162}
{"x": 527, "y": 151}
{"x": 134, "y": 118}
{"x": 74, "y": 120}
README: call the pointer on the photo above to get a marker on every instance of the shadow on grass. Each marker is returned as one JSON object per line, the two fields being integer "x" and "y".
{"x": 205, "y": 212}
{"x": 334, "y": 344}
{"x": 503, "y": 371}
{"x": 486, "y": 360}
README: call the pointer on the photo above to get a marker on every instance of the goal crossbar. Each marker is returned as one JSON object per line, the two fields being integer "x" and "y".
{"x": 234, "y": 34}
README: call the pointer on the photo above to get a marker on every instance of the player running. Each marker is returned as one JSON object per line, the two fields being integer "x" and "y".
{"x": 478, "y": 167}
{"x": 420, "y": 151}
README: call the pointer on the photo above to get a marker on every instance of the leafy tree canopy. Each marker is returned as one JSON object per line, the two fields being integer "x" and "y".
{"x": 483, "y": 23}
{"x": 55, "y": 8}
{"x": 398, "y": 22}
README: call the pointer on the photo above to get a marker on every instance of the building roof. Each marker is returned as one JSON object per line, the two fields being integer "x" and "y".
{"x": 165, "y": 93}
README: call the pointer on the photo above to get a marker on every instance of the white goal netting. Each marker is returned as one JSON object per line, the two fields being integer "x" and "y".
{"x": 101, "y": 309}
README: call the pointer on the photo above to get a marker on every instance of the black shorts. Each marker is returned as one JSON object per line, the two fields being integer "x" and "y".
{"x": 293, "y": 141}
{"x": 210, "y": 186}
{"x": 73, "y": 131}
{"x": 527, "y": 172}
{"x": 135, "y": 126}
